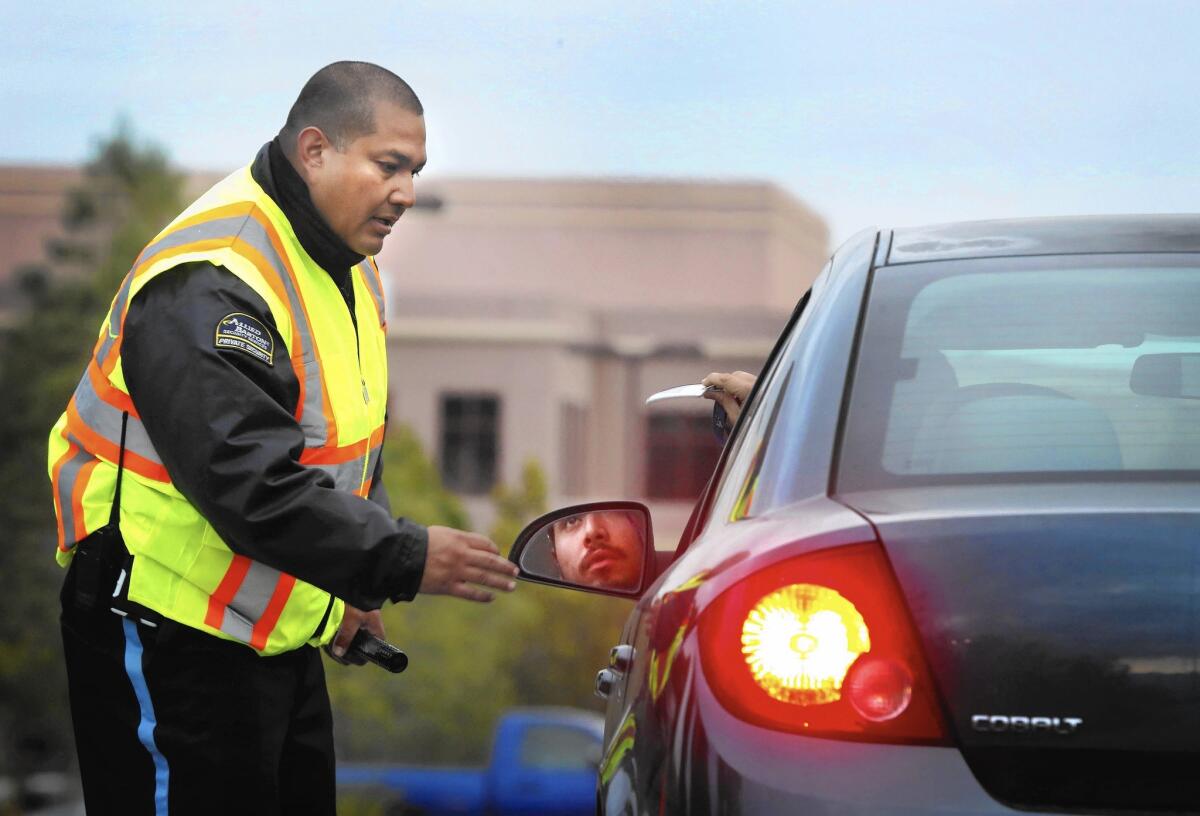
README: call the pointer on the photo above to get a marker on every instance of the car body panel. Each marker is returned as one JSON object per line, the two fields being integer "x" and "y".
{"x": 1076, "y": 605}
{"x": 787, "y": 773}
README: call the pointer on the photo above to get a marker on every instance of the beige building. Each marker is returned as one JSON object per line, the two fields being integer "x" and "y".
{"x": 530, "y": 320}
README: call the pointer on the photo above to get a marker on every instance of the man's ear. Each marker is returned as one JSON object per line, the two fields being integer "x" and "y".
{"x": 311, "y": 146}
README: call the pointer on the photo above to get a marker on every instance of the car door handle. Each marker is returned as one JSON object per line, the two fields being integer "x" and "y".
{"x": 606, "y": 681}
{"x": 620, "y": 658}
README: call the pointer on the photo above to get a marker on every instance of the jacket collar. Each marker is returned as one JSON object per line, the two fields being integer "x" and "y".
{"x": 275, "y": 174}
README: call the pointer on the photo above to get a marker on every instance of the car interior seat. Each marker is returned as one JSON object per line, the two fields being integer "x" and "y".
{"x": 1016, "y": 427}
{"x": 912, "y": 402}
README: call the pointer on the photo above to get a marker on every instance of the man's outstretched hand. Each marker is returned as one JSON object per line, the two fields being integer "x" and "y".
{"x": 462, "y": 564}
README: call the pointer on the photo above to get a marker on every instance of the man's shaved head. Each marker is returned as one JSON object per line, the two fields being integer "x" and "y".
{"x": 341, "y": 98}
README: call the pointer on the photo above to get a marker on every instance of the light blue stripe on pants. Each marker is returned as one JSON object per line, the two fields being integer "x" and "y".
{"x": 145, "y": 732}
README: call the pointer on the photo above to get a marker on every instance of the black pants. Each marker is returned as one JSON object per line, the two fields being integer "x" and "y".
{"x": 170, "y": 720}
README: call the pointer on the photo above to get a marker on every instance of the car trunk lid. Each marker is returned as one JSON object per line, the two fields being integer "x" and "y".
{"x": 1060, "y": 622}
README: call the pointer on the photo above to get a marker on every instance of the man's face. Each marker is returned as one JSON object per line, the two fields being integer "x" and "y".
{"x": 601, "y": 549}
{"x": 364, "y": 188}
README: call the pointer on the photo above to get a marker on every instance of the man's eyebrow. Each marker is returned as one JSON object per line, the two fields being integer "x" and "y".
{"x": 401, "y": 158}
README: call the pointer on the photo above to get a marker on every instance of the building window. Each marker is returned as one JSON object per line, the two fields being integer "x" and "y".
{"x": 469, "y": 442}
{"x": 681, "y": 454}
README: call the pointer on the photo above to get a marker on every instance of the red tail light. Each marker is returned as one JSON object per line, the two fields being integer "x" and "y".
{"x": 821, "y": 644}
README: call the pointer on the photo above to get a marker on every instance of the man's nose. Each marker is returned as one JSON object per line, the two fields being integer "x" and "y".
{"x": 404, "y": 191}
{"x": 594, "y": 527}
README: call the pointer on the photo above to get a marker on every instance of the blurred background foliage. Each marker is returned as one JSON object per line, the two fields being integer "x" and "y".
{"x": 128, "y": 192}
{"x": 469, "y": 662}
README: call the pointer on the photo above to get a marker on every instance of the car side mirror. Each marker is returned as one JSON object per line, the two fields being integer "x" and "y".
{"x": 605, "y": 547}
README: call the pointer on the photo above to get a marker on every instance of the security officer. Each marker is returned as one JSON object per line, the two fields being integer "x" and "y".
{"x": 216, "y": 473}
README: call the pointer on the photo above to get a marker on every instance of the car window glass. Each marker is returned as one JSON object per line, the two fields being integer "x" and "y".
{"x": 551, "y": 747}
{"x": 980, "y": 369}
{"x": 736, "y": 490}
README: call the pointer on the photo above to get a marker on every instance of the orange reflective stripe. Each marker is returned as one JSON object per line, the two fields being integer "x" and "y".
{"x": 329, "y": 455}
{"x": 270, "y": 617}
{"x": 110, "y": 450}
{"x": 333, "y": 456}
{"x": 109, "y": 393}
{"x": 225, "y": 591}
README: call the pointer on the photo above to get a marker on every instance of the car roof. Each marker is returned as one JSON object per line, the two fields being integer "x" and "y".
{"x": 1044, "y": 236}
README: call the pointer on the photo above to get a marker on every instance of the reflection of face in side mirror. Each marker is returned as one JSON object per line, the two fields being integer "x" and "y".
{"x": 604, "y": 548}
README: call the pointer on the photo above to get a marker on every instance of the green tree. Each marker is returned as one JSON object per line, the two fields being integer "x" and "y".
{"x": 128, "y": 193}
{"x": 516, "y": 507}
{"x": 414, "y": 484}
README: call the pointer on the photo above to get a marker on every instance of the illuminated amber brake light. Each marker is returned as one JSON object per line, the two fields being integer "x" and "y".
{"x": 800, "y": 641}
{"x": 821, "y": 644}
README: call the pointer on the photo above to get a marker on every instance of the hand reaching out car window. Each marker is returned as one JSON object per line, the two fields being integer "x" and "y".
{"x": 734, "y": 388}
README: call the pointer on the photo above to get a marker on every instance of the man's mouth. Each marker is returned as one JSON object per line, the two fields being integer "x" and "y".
{"x": 600, "y": 558}
{"x": 385, "y": 221}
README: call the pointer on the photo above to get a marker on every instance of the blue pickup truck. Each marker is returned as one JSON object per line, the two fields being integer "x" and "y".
{"x": 543, "y": 761}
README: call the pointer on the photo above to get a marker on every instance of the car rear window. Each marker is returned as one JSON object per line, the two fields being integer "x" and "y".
{"x": 1044, "y": 368}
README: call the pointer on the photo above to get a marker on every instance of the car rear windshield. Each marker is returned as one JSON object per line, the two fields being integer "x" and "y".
{"x": 1013, "y": 369}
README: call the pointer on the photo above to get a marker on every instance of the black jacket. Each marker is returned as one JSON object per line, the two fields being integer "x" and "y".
{"x": 223, "y": 422}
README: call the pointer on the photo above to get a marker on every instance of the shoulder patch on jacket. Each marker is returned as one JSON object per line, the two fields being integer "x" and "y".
{"x": 245, "y": 333}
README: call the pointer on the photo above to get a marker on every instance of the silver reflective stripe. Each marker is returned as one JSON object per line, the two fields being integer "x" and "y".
{"x": 250, "y": 602}
{"x": 346, "y": 476}
{"x": 105, "y": 420}
{"x": 67, "y": 476}
{"x": 203, "y": 231}
{"x": 374, "y": 285}
{"x": 114, "y": 319}
{"x": 234, "y": 625}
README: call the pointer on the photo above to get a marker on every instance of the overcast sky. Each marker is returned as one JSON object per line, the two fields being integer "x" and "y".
{"x": 872, "y": 113}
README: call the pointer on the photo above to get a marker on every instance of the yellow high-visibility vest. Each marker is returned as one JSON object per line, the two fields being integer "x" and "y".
{"x": 182, "y": 569}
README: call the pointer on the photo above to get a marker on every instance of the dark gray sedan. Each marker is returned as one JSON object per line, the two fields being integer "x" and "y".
{"x": 949, "y": 561}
